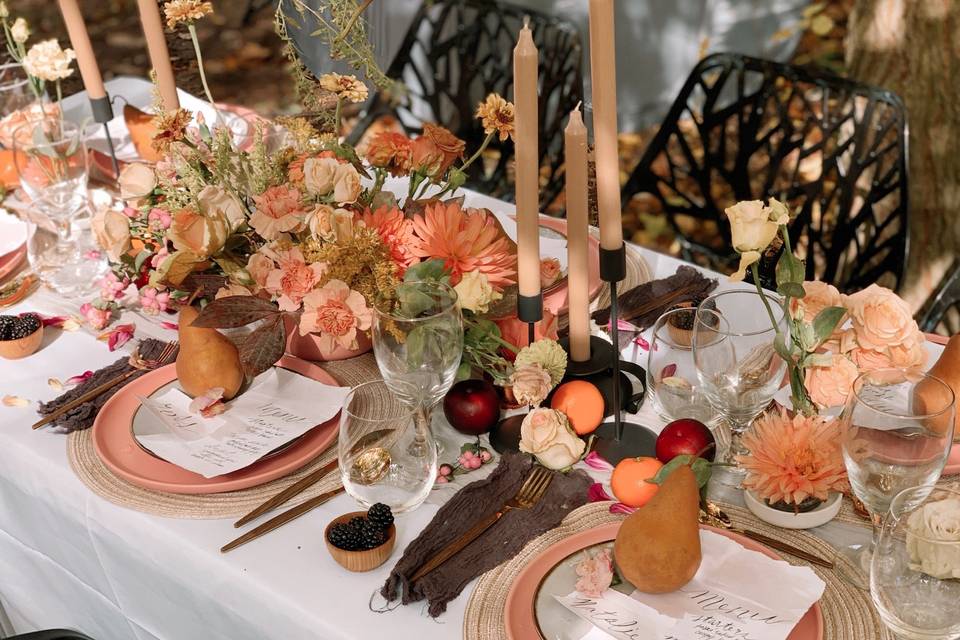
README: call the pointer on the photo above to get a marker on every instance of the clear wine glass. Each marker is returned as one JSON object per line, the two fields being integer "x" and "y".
{"x": 671, "y": 371}
{"x": 418, "y": 340}
{"x": 52, "y": 164}
{"x": 737, "y": 365}
{"x": 914, "y": 568}
{"x": 385, "y": 453}
{"x": 897, "y": 431}
{"x": 16, "y": 96}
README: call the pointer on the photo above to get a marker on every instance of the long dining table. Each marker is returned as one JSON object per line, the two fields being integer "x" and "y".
{"x": 69, "y": 558}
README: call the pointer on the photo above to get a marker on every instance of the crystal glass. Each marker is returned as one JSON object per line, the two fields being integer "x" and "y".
{"x": 671, "y": 372}
{"x": 15, "y": 96}
{"x": 378, "y": 459}
{"x": 897, "y": 430}
{"x": 51, "y": 161}
{"x": 418, "y": 340}
{"x": 738, "y": 368}
{"x": 913, "y": 574}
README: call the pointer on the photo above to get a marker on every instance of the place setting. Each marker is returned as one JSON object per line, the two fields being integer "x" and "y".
{"x": 436, "y": 346}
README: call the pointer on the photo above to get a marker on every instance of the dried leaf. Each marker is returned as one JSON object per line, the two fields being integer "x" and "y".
{"x": 15, "y": 401}
{"x": 205, "y": 283}
{"x": 235, "y": 311}
{"x": 55, "y": 384}
{"x": 263, "y": 347}
{"x": 822, "y": 25}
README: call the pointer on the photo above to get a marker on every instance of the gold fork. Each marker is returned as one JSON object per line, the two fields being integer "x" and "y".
{"x": 138, "y": 363}
{"x": 529, "y": 494}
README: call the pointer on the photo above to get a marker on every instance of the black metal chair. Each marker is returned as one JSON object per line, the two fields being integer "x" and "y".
{"x": 834, "y": 150}
{"x": 458, "y": 51}
{"x": 52, "y": 634}
{"x": 941, "y": 311}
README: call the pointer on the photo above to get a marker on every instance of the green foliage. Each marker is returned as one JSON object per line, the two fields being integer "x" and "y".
{"x": 701, "y": 469}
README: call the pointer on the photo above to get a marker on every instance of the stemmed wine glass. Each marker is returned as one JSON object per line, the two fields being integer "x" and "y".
{"x": 896, "y": 432}
{"x": 418, "y": 340}
{"x": 671, "y": 372}
{"x": 737, "y": 365}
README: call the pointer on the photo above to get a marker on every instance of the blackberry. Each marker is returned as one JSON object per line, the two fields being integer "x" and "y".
{"x": 380, "y": 516}
{"x": 345, "y": 536}
{"x": 29, "y": 323}
{"x": 358, "y": 522}
{"x": 7, "y": 325}
{"x": 372, "y": 536}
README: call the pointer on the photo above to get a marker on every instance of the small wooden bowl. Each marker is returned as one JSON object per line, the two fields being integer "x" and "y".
{"x": 360, "y": 561}
{"x": 21, "y": 347}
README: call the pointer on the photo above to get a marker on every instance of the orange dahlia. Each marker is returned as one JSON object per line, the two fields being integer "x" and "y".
{"x": 466, "y": 240}
{"x": 792, "y": 459}
{"x": 396, "y": 232}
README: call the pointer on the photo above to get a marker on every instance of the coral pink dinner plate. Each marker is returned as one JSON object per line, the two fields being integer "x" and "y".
{"x": 520, "y": 616}
{"x": 115, "y": 444}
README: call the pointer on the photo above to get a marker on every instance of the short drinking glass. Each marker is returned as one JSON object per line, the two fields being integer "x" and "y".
{"x": 671, "y": 371}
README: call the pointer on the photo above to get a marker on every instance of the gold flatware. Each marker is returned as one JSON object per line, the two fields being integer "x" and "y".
{"x": 783, "y": 546}
{"x": 310, "y": 479}
{"x": 18, "y": 290}
{"x": 529, "y": 494}
{"x": 138, "y": 364}
{"x": 280, "y": 520}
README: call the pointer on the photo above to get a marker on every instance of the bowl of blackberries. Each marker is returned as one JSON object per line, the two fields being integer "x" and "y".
{"x": 681, "y": 324}
{"x": 20, "y": 335}
{"x": 362, "y": 540}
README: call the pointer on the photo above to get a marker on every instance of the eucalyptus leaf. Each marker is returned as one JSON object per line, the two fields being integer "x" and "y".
{"x": 791, "y": 289}
{"x": 806, "y": 336}
{"x": 429, "y": 270}
{"x": 781, "y": 348}
{"x": 411, "y": 302}
{"x": 701, "y": 469}
{"x": 826, "y": 322}
{"x": 416, "y": 344}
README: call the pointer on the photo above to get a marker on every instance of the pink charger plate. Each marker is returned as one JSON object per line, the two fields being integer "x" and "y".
{"x": 115, "y": 444}
{"x": 519, "y": 615}
{"x": 11, "y": 261}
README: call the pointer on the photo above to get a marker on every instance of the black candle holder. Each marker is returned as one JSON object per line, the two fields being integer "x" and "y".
{"x": 598, "y": 371}
{"x": 505, "y": 436}
{"x": 617, "y": 440}
{"x": 103, "y": 113}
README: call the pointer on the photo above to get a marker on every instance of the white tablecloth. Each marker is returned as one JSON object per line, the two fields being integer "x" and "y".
{"x": 70, "y": 559}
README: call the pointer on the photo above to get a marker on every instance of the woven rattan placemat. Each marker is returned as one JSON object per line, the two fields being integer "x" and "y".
{"x": 847, "y": 611}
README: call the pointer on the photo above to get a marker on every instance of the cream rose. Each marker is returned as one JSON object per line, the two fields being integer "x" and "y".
{"x": 531, "y": 384}
{"x": 112, "y": 231}
{"x": 216, "y": 202}
{"x": 753, "y": 227}
{"x": 320, "y": 223}
{"x": 818, "y": 296}
{"x": 319, "y": 175}
{"x": 829, "y": 386}
{"x": 546, "y": 433}
{"x": 136, "y": 180}
{"x": 343, "y": 225}
{"x": 346, "y": 185}
{"x": 201, "y": 235}
{"x": 933, "y": 539}
{"x": 20, "y": 31}
{"x": 475, "y": 293}
{"x": 880, "y": 318}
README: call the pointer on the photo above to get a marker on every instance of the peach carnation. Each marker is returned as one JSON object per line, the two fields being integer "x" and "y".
{"x": 336, "y": 313}
{"x": 396, "y": 232}
{"x": 829, "y": 386}
{"x": 792, "y": 459}
{"x": 293, "y": 279}
{"x": 278, "y": 210}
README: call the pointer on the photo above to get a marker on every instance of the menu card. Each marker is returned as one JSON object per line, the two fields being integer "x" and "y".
{"x": 279, "y": 406}
{"x": 736, "y": 594}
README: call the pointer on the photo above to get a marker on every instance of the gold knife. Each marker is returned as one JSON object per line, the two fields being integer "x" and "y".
{"x": 280, "y": 520}
{"x": 773, "y": 543}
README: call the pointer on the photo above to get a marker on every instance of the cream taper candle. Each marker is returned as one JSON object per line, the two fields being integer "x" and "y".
{"x": 578, "y": 308}
{"x": 159, "y": 54}
{"x": 80, "y": 41}
{"x": 525, "y": 60}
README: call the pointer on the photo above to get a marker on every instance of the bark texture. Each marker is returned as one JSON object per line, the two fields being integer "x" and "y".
{"x": 913, "y": 48}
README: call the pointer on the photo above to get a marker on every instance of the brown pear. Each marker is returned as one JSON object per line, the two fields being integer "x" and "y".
{"x": 658, "y": 546}
{"x": 207, "y": 359}
{"x": 930, "y": 397}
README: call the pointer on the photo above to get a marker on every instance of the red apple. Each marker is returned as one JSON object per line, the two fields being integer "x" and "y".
{"x": 472, "y": 407}
{"x": 685, "y": 436}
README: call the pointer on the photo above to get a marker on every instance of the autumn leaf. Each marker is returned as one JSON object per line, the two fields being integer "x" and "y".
{"x": 15, "y": 401}
{"x": 263, "y": 347}
{"x": 235, "y": 311}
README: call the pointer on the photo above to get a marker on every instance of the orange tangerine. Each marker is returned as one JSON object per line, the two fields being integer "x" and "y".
{"x": 629, "y": 480}
{"x": 582, "y": 403}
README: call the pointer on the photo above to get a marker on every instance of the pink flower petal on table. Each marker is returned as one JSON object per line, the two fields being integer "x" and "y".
{"x": 641, "y": 342}
{"x": 118, "y": 336}
{"x": 173, "y": 326}
{"x": 668, "y": 371}
{"x": 15, "y": 401}
{"x": 596, "y": 493}
{"x": 71, "y": 324}
{"x": 55, "y": 384}
{"x": 209, "y": 403}
{"x": 595, "y": 461}
{"x": 75, "y": 380}
{"x": 91, "y": 254}
{"x": 621, "y": 508}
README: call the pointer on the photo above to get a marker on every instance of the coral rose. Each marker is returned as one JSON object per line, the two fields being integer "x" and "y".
{"x": 829, "y": 386}
{"x": 546, "y": 433}
{"x": 293, "y": 278}
{"x": 426, "y": 157}
{"x": 911, "y": 354}
{"x": 450, "y": 146}
{"x": 336, "y": 314}
{"x": 819, "y": 296}
{"x": 549, "y": 271}
{"x": 198, "y": 234}
{"x": 869, "y": 359}
{"x": 346, "y": 184}
{"x": 278, "y": 210}
{"x": 391, "y": 151}
{"x": 112, "y": 231}
{"x": 880, "y": 318}
{"x": 319, "y": 175}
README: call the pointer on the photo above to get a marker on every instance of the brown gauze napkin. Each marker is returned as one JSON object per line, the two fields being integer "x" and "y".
{"x": 499, "y": 543}
{"x": 82, "y": 417}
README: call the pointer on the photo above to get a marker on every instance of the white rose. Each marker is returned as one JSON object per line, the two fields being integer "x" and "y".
{"x": 546, "y": 433}
{"x": 47, "y": 61}
{"x": 216, "y": 201}
{"x": 319, "y": 175}
{"x": 933, "y": 522}
{"x": 753, "y": 227}
{"x": 346, "y": 184}
{"x": 20, "y": 31}
{"x": 474, "y": 292}
{"x": 112, "y": 231}
{"x": 136, "y": 180}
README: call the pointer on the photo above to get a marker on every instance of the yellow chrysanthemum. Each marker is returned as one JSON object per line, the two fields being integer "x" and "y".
{"x": 346, "y": 87}
{"x": 187, "y": 11}
{"x": 496, "y": 115}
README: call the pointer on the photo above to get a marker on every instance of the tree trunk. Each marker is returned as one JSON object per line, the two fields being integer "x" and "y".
{"x": 913, "y": 48}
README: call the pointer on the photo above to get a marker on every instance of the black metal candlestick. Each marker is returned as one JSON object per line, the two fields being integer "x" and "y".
{"x": 506, "y": 435}
{"x": 618, "y": 440}
{"x": 103, "y": 113}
